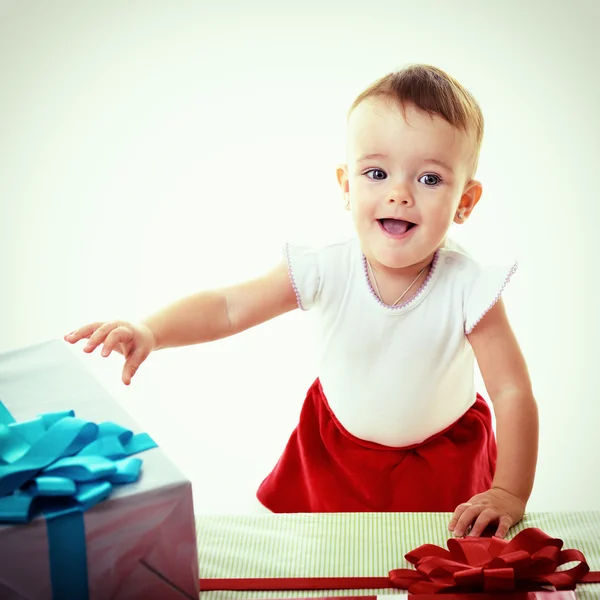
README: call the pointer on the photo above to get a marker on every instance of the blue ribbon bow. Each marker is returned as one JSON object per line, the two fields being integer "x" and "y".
{"x": 59, "y": 466}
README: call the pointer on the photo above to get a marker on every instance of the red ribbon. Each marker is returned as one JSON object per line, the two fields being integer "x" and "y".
{"x": 472, "y": 564}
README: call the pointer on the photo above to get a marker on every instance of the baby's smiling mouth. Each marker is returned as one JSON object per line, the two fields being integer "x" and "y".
{"x": 396, "y": 226}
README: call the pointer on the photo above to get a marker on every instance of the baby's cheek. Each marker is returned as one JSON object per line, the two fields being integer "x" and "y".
{"x": 360, "y": 205}
{"x": 441, "y": 217}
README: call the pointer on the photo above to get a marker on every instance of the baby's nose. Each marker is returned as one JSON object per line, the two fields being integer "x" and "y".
{"x": 404, "y": 199}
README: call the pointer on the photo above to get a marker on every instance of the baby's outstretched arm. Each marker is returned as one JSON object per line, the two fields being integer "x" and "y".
{"x": 507, "y": 381}
{"x": 202, "y": 317}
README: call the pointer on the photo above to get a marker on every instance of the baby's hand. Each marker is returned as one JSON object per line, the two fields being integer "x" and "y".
{"x": 495, "y": 505}
{"x": 134, "y": 342}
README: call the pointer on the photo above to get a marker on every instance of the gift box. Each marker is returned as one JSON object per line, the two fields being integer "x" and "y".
{"x": 531, "y": 566}
{"x": 137, "y": 542}
{"x": 548, "y": 595}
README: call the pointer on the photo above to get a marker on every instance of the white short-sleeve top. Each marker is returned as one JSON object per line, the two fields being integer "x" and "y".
{"x": 395, "y": 375}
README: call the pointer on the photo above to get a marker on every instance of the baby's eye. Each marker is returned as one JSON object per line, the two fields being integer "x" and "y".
{"x": 378, "y": 174}
{"x": 430, "y": 180}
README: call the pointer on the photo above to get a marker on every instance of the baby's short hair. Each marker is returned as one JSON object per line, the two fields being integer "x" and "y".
{"x": 434, "y": 91}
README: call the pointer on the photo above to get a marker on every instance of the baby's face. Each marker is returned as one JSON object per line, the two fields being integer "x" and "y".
{"x": 405, "y": 180}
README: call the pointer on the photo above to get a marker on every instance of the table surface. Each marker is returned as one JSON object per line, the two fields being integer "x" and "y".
{"x": 352, "y": 544}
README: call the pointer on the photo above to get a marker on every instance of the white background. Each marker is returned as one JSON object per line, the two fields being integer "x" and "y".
{"x": 152, "y": 149}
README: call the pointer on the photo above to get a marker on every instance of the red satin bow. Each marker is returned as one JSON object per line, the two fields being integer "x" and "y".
{"x": 527, "y": 563}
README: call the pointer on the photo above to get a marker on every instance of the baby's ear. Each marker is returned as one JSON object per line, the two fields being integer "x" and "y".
{"x": 342, "y": 177}
{"x": 469, "y": 199}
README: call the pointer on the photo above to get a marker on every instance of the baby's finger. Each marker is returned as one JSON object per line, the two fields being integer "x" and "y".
{"x": 99, "y": 336}
{"x": 505, "y": 524}
{"x": 460, "y": 509}
{"x": 483, "y": 520}
{"x": 131, "y": 366}
{"x": 466, "y": 519}
{"x": 119, "y": 335}
{"x": 83, "y": 332}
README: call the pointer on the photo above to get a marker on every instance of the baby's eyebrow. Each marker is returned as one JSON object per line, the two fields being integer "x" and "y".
{"x": 441, "y": 163}
{"x": 371, "y": 157}
{"x": 435, "y": 161}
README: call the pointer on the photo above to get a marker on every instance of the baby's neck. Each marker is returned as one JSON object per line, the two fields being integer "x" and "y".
{"x": 397, "y": 286}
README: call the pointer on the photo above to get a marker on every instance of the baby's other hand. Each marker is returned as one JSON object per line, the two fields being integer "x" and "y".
{"x": 134, "y": 342}
{"x": 494, "y": 506}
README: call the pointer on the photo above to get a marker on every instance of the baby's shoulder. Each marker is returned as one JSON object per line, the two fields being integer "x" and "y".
{"x": 477, "y": 285}
{"x": 320, "y": 271}
{"x": 459, "y": 264}
{"x": 342, "y": 249}
{"x": 336, "y": 256}
{"x": 464, "y": 267}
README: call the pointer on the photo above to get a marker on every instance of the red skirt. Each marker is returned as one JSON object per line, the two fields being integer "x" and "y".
{"x": 324, "y": 468}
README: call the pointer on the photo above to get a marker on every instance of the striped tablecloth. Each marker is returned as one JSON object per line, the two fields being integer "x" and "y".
{"x": 349, "y": 544}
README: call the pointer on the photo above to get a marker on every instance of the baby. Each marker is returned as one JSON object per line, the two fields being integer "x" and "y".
{"x": 393, "y": 422}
